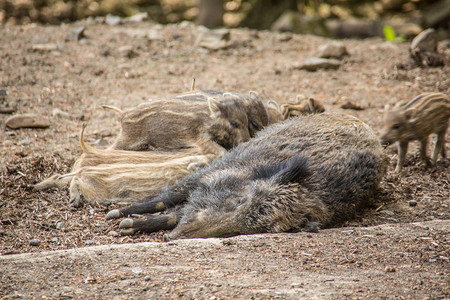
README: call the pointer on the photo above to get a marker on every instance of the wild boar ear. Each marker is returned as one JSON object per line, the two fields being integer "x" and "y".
{"x": 214, "y": 107}
{"x": 408, "y": 113}
{"x": 284, "y": 109}
{"x": 299, "y": 98}
{"x": 273, "y": 104}
{"x": 253, "y": 95}
{"x": 311, "y": 105}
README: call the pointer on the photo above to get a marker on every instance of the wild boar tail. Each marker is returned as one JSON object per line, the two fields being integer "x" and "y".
{"x": 86, "y": 148}
{"x": 110, "y": 107}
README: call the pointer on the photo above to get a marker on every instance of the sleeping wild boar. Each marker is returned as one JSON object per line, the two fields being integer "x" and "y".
{"x": 211, "y": 126}
{"x": 104, "y": 176}
{"x": 314, "y": 169}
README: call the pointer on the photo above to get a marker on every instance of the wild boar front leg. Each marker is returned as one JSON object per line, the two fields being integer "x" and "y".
{"x": 423, "y": 151}
{"x": 439, "y": 146}
{"x": 402, "y": 149}
{"x": 208, "y": 146}
{"x": 149, "y": 224}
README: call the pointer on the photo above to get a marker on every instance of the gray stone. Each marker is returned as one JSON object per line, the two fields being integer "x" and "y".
{"x": 112, "y": 20}
{"x": 59, "y": 113}
{"x": 78, "y": 33}
{"x": 315, "y": 63}
{"x": 27, "y": 121}
{"x": 427, "y": 40}
{"x": 412, "y": 203}
{"x": 332, "y": 50}
{"x": 215, "y": 39}
{"x": 45, "y": 47}
{"x": 35, "y": 242}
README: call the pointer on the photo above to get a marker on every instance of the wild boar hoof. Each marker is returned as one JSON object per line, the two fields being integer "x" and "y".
{"x": 126, "y": 227}
{"x": 128, "y": 231}
{"x": 166, "y": 238}
{"x": 113, "y": 214}
{"x": 126, "y": 223}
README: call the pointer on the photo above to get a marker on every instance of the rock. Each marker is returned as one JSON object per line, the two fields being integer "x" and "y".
{"x": 45, "y": 47}
{"x": 112, "y": 20}
{"x": 315, "y": 63}
{"x": 412, "y": 203}
{"x": 332, "y": 50}
{"x": 390, "y": 270}
{"x": 25, "y": 142}
{"x": 139, "y": 17}
{"x": 147, "y": 278}
{"x": 35, "y": 242}
{"x": 423, "y": 50}
{"x": 59, "y": 113}
{"x": 113, "y": 233}
{"x": 78, "y": 33}
{"x": 89, "y": 242}
{"x": 215, "y": 39}
{"x": 60, "y": 225}
{"x": 354, "y": 28}
{"x": 427, "y": 40}
{"x": 27, "y": 121}
{"x": 137, "y": 271}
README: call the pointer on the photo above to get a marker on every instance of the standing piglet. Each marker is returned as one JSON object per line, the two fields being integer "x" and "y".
{"x": 426, "y": 114}
{"x": 314, "y": 169}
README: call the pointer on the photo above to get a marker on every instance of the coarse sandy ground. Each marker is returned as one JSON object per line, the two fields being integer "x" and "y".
{"x": 48, "y": 249}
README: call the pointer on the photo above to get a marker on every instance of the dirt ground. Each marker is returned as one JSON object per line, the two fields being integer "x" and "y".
{"x": 397, "y": 249}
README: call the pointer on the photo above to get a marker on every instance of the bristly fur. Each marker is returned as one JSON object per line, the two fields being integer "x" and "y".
{"x": 316, "y": 169}
{"x": 426, "y": 114}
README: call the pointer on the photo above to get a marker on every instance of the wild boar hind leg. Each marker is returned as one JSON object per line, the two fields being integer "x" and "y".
{"x": 151, "y": 223}
{"x": 168, "y": 197}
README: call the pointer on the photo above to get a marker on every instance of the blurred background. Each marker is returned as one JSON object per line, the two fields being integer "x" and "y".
{"x": 333, "y": 18}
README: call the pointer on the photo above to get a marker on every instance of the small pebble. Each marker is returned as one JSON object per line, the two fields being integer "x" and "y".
{"x": 147, "y": 278}
{"x": 390, "y": 270}
{"x": 89, "y": 242}
{"x": 60, "y": 225}
{"x": 55, "y": 240}
{"x": 113, "y": 233}
{"x": 137, "y": 271}
{"x": 35, "y": 242}
{"x": 412, "y": 203}
{"x": 24, "y": 142}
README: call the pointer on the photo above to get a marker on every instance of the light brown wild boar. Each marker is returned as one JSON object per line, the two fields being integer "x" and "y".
{"x": 426, "y": 114}
{"x": 212, "y": 126}
{"x": 303, "y": 106}
{"x": 127, "y": 183}
{"x": 98, "y": 175}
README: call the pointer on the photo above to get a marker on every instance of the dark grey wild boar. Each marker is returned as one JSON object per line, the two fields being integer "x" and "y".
{"x": 426, "y": 114}
{"x": 295, "y": 174}
{"x": 211, "y": 126}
